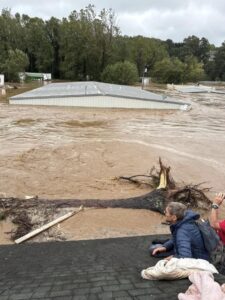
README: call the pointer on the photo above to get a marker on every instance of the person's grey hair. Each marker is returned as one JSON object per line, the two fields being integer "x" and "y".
{"x": 178, "y": 209}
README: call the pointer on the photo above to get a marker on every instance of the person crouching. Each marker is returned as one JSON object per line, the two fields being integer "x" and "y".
{"x": 186, "y": 238}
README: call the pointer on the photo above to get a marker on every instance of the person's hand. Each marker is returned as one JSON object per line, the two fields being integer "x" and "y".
{"x": 158, "y": 250}
{"x": 219, "y": 198}
{"x": 169, "y": 257}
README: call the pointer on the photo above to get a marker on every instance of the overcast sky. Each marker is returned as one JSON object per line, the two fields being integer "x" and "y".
{"x": 173, "y": 19}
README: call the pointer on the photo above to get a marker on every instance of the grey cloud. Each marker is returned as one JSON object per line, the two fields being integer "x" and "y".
{"x": 120, "y": 6}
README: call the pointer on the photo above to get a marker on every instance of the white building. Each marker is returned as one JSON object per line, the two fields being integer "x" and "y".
{"x": 2, "y": 80}
{"x": 96, "y": 94}
{"x": 35, "y": 76}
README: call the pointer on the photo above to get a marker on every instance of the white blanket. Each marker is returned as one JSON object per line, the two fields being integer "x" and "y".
{"x": 203, "y": 288}
{"x": 177, "y": 268}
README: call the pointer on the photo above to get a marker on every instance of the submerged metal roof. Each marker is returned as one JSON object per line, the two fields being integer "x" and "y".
{"x": 88, "y": 89}
{"x": 196, "y": 89}
{"x": 191, "y": 89}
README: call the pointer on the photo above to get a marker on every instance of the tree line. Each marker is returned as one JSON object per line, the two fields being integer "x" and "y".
{"x": 89, "y": 46}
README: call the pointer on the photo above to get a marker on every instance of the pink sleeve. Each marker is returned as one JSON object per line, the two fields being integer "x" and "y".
{"x": 222, "y": 225}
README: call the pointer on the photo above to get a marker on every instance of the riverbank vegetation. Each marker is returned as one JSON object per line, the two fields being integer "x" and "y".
{"x": 89, "y": 46}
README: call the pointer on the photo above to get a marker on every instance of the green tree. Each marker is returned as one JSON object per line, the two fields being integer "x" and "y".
{"x": 204, "y": 50}
{"x": 200, "y": 48}
{"x": 53, "y": 30}
{"x": 210, "y": 70}
{"x": 175, "y": 49}
{"x": 121, "y": 49}
{"x": 193, "y": 70}
{"x": 38, "y": 46}
{"x": 172, "y": 70}
{"x": 86, "y": 43}
{"x": 169, "y": 70}
{"x": 11, "y": 34}
{"x": 120, "y": 73}
{"x": 147, "y": 51}
{"x": 219, "y": 63}
{"x": 16, "y": 62}
{"x": 191, "y": 46}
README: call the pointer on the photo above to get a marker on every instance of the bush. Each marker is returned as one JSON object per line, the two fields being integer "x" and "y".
{"x": 120, "y": 73}
{"x": 16, "y": 62}
{"x": 169, "y": 71}
{"x": 172, "y": 70}
{"x": 194, "y": 70}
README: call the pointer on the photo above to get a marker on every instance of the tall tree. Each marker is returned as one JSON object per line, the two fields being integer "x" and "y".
{"x": 220, "y": 63}
{"x": 53, "y": 30}
{"x": 146, "y": 51}
{"x": 121, "y": 49}
{"x": 86, "y": 43}
{"x": 11, "y": 34}
{"x": 38, "y": 46}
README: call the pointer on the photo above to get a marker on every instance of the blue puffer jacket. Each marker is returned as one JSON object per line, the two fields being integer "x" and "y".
{"x": 186, "y": 238}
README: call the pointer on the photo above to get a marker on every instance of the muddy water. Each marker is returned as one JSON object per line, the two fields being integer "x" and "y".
{"x": 76, "y": 153}
{"x": 195, "y": 139}
{"x": 6, "y": 227}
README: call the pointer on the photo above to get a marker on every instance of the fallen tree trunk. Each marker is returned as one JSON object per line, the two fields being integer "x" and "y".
{"x": 156, "y": 200}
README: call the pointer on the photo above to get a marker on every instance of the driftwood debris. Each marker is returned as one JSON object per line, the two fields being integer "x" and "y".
{"x": 46, "y": 226}
{"x": 24, "y": 225}
{"x": 164, "y": 190}
{"x": 155, "y": 179}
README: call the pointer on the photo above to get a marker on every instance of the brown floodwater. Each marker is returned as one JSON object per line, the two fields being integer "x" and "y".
{"x": 194, "y": 138}
{"x": 63, "y": 152}
{"x": 197, "y": 134}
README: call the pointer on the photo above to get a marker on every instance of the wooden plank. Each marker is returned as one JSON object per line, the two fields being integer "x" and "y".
{"x": 46, "y": 226}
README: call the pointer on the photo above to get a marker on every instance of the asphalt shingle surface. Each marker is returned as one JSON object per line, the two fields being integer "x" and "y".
{"x": 80, "y": 270}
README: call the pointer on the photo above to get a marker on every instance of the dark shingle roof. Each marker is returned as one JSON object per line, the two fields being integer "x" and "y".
{"x": 94, "y": 269}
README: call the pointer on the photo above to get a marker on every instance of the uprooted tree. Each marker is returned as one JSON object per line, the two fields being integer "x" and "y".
{"x": 164, "y": 190}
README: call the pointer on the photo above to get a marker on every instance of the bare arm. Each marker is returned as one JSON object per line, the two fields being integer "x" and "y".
{"x": 214, "y": 221}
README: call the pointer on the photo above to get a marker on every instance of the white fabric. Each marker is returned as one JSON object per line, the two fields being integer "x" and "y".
{"x": 203, "y": 288}
{"x": 177, "y": 268}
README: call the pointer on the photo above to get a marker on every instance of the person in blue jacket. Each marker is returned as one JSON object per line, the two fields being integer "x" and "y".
{"x": 186, "y": 238}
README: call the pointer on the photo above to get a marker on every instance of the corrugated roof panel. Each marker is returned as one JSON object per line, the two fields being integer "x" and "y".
{"x": 89, "y": 88}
